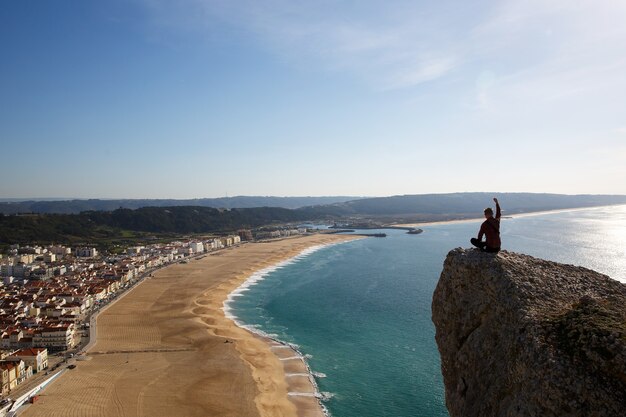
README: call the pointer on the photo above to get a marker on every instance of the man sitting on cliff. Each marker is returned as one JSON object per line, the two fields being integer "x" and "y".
{"x": 491, "y": 229}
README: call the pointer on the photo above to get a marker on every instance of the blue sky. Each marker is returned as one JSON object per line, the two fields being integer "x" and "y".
{"x": 204, "y": 98}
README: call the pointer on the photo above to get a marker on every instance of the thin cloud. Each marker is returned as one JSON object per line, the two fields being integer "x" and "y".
{"x": 383, "y": 47}
{"x": 560, "y": 53}
{"x": 405, "y": 44}
{"x": 423, "y": 71}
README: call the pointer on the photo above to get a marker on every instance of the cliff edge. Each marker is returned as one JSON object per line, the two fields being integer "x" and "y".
{"x": 521, "y": 336}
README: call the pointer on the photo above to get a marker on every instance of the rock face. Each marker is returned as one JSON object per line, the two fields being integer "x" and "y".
{"x": 520, "y": 336}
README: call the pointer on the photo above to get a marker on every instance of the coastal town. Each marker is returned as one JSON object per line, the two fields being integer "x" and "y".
{"x": 49, "y": 296}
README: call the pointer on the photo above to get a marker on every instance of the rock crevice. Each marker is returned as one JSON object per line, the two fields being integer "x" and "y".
{"x": 521, "y": 336}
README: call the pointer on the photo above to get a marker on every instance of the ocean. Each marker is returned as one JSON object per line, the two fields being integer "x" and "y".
{"x": 360, "y": 311}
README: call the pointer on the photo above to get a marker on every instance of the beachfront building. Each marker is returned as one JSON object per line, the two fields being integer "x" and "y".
{"x": 185, "y": 251}
{"x": 22, "y": 370}
{"x": 4, "y": 381}
{"x": 197, "y": 247}
{"x": 55, "y": 338}
{"x": 16, "y": 372}
{"x": 227, "y": 241}
{"x": 245, "y": 234}
{"x": 37, "y": 358}
{"x": 9, "y": 376}
{"x": 215, "y": 244}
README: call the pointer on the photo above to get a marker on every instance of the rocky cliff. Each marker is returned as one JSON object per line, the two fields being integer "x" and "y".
{"x": 520, "y": 336}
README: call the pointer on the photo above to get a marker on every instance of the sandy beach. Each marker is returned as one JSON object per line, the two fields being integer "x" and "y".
{"x": 166, "y": 349}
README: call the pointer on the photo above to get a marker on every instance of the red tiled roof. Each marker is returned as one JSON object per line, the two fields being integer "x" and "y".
{"x": 29, "y": 352}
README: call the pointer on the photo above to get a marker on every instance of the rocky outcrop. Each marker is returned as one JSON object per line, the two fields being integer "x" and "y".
{"x": 520, "y": 336}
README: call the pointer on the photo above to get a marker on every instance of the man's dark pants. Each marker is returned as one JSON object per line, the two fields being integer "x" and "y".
{"x": 483, "y": 246}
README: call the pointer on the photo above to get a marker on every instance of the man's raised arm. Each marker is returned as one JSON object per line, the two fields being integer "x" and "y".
{"x": 498, "y": 213}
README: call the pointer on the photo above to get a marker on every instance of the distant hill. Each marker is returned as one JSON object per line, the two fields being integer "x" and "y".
{"x": 97, "y": 225}
{"x": 115, "y": 224}
{"x": 456, "y": 205}
{"x": 77, "y": 206}
{"x": 318, "y": 207}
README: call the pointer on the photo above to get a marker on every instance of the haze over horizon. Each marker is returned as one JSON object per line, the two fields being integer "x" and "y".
{"x": 208, "y": 98}
{"x": 295, "y": 197}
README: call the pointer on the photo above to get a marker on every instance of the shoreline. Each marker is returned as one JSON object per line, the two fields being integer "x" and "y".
{"x": 298, "y": 391}
{"x": 285, "y": 375}
{"x": 167, "y": 348}
{"x": 505, "y": 216}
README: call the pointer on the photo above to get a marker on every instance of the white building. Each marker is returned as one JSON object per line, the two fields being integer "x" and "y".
{"x": 55, "y": 338}
{"x": 197, "y": 247}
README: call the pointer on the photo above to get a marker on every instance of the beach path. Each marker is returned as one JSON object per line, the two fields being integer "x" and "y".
{"x": 166, "y": 348}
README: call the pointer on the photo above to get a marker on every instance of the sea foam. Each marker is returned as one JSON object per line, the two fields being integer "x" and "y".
{"x": 254, "y": 279}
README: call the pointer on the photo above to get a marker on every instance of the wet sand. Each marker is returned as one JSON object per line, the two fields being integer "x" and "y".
{"x": 166, "y": 349}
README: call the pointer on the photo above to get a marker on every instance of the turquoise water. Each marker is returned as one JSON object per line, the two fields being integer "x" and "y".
{"x": 360, "y": 311}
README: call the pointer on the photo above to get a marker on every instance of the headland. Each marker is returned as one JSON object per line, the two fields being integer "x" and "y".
{"x": 522, "y": 336}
